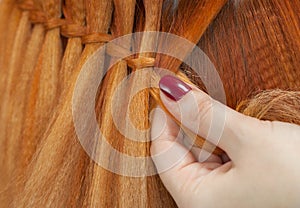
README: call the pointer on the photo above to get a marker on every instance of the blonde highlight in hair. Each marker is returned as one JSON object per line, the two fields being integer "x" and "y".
{"x": 273, "y": 105}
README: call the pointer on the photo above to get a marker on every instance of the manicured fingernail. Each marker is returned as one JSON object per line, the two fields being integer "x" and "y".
{"x": 173, "y": 88}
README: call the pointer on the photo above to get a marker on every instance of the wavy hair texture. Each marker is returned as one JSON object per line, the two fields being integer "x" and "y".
{"x": 46, "y": 44}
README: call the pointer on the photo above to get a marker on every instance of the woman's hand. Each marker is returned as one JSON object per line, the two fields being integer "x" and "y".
{"x": 264, "y": 166}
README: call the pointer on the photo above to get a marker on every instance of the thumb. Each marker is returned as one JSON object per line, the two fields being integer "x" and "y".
{"x": 209, "y": 118}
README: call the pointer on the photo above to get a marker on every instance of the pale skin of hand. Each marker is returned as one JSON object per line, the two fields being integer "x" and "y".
{"x": 264, "y": 166}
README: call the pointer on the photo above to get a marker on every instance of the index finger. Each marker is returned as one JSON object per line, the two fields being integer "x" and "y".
{"x": 176, "y": 165}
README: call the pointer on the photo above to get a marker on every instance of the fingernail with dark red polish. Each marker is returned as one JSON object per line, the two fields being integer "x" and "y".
{"x": 173, "y": 88}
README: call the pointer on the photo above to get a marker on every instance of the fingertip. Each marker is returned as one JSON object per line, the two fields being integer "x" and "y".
{"x": 169, "y": 155}
{"x": 210, "y": 119}
{"x": 165, "y": 138}
{"x": 158, "y": 122}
